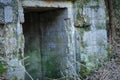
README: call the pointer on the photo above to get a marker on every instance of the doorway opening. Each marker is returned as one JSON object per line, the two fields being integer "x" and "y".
{"x": 45, "y": 42}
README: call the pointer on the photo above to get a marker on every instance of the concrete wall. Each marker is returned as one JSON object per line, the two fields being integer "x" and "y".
{"x": 92, "y": 34}
{"x": 11, "y": 39}
{"x": 52, "y": 41}
{"x": 54, "y": 38}
{"x": 95, "y": 40}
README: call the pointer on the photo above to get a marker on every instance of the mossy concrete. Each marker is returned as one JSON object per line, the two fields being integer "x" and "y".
{"x": 12, "y": 40}
{"x": 93, "y": 38}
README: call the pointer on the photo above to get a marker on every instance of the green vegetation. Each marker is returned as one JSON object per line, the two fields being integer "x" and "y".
{"x": 96, "y": 60}
{"x": 84, "y": 71}
{"x": 3, "y": 68}
{"x": 53, "y": 67}
{"x": 101, "y": 27}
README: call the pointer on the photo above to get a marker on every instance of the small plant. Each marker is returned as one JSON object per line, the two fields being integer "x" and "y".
{"x": 3, "y": 70}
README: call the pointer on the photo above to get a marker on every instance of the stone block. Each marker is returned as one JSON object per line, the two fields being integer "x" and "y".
{"x": 1, "y": 16}
{"x": 8, "y": 14}
{"x": 5, "y": 1}
{"x": 15, "y": 70}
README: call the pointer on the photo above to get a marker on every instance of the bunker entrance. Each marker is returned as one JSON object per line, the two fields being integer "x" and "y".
{"x": 45, "y": 42}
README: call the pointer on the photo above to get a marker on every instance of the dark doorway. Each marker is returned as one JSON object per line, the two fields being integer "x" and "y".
{"x": 45, "y": 42}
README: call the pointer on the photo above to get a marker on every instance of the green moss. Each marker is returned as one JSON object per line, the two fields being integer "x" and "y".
{"x": 84, "y": 44}
{"x": 81, "y": 23}
{"x": 94, "y": 61}
{"x": 82, "y": 3}
{"x": 109, "y": 54}
{"x": 3, "y": 68}
{"x": 101, "y": 27}
{"x": 34, "y": 58}
{"x": 53, "y": 67}
{"x": 15, "y": 78}
{"x": 81, "y": 31}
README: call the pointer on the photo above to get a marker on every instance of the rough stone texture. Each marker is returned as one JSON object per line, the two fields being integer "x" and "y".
{"x": 41, "y": 3}
{"x": 77, "y": 49}
{"x": 12, "y": 51}
{"x": 9, "y": 54}
{"x": 21, "y": 16}
{"x": 20, "y": 12}
{"x": 11, "y": 40}
{"x": 17, "y": 71}
{"x": 8, "y": 13}
{"x": 52, "y": 46}
{"x": 5, "y": 1}
{"x": 1, "y": 15}
{"x": 52, "y": 43}
{"x": 94, "y": 38}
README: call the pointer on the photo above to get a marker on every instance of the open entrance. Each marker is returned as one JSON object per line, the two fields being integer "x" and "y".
{"x": 45, "y": 42}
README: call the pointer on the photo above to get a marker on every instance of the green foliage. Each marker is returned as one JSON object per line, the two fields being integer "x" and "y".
{"x": 88, "y": 70}
{"x": 34, "y": 58}
{"x": 3, "y": 68}
{"x": 81, "y": 3}
{"x": 82, "y": 21}
{"x": 53, "y": 67}
{"x": 15, "y": 78}
{"x": 101, "y": 27}
{"x": 84, "y": 71}
{"x": 108, "y": 53}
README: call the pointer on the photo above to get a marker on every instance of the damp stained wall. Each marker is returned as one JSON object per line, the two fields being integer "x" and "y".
{"x": 11, "y": 39}
{"x": 92, "y": 35}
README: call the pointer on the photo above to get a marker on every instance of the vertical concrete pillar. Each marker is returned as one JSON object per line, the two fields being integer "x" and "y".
{"x": 71, "y": 55}
{"x": 12, "y": 39}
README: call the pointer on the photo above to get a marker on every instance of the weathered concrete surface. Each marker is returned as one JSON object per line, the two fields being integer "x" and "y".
{"x": 54, "y": 49}
{"x": 12, "y": 40}
{"x": 52, "y": 4}
{"x": 52, "y": 42}
{"x": 8, "y": 13}
{"x": 1, "y": 15}
{"x": 93, "y": 38}
{"x": 5, "y": 1}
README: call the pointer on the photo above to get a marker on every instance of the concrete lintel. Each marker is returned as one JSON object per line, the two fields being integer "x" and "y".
{"x": 54, "y": 4}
